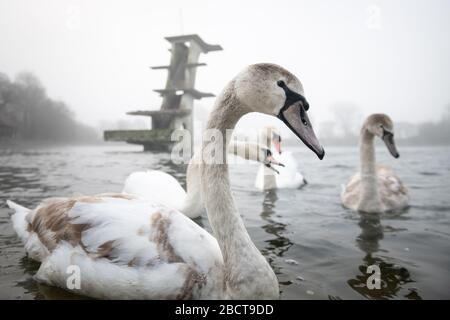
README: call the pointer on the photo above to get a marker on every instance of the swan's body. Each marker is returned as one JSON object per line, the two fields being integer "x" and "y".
{"x": 122, "y": 247}
{"x": 156, "y": 186}
{"x": 375, "y": 188}
{"x": 289, "y": 176}
{"x": 161, "y": 187}
{"x": 130, "y": 248}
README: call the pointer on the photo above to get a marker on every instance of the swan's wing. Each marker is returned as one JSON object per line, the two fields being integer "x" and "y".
{"x": 125, "y": 249}
{"x": 156, "y": 186}
{"x": 350, "y": 192}
{"x": 393, "y": 192}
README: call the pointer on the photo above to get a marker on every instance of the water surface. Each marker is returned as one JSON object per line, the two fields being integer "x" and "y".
{"x": 318, "y": 249}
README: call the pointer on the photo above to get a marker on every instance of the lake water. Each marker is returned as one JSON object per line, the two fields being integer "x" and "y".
{"x": 318, "y": 249}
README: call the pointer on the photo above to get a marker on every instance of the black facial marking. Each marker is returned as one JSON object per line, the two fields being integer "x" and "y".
{"x": 291, "y": 98}
{"x": 386, "y": 132}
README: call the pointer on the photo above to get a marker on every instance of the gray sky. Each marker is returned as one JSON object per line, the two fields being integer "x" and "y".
{"x": 384, "y": 56}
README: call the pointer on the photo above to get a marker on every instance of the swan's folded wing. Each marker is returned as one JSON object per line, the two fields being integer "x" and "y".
{"x": 140, "y": 233}
{"x": 393, "y": 192}
{"x": 117, "y": 241}
{"x": 390, "y": 182}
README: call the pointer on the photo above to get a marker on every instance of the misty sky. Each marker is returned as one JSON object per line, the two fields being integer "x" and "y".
{"x": 384, "y": 56}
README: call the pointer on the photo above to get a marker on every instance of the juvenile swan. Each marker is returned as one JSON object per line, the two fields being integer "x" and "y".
{"x": 133, "y": 249}
{"x": 287, "y": 176}
{"x": 375, "y": 188}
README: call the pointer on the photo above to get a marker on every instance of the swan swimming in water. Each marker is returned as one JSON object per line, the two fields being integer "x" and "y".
{"x": 375, "y": 188}
{"x": 288, "y": 176}
{"x": 127, "y": 248}
{"x": 160, "y": 187}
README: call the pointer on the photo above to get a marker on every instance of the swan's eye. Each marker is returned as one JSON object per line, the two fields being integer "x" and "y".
{"x": 306, "y": 105}
{"x": 281, "y": 83}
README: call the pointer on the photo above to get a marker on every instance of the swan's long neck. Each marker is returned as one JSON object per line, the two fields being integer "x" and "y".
{"x": 369, "y": 198}
{"x": 193, "y": 205}
{"x": 246, "y": 272}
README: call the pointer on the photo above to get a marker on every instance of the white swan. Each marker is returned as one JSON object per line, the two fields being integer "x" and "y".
{"x": 288, "y": 176}
{"x": 375, "y": 188}
{"x": 160, "y": 187}
{"x": 132, "y": 249}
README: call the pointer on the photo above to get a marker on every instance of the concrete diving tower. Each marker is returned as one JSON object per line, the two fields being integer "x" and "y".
{"x": 178, "y": 96}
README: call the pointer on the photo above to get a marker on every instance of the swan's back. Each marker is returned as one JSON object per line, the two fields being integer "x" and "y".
{"x": 124, "y": 248}
{"x": 156, "y": 186}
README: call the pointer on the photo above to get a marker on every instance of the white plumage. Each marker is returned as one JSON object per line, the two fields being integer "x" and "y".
{"x": 127, "y": 247}
{"x": 288, "y": 176}
{"x": 156, "y": 186}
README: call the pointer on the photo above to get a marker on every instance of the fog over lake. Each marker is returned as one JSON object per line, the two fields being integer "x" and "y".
{"x": 70, "y": 71}
{"x": 380, "y": 56}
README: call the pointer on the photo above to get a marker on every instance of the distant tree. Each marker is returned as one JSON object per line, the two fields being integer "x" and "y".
{"x": 25, "y": 105}
{"x": 433, "y": 133}
{"x": 344, "y": 128}
{"x": 446, "y": 116}
{"x": 348, "y": 118}
{"x": 5, "y": 89}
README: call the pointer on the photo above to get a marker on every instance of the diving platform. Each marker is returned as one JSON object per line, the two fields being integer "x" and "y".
{"x": 177, "y": 97}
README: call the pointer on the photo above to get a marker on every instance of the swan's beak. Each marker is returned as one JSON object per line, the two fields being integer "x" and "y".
{"x": 272, "y": 168}
{"x": 270, "y": 160}
{"x": 296, "y": 118}
{"x": 388, "y": 138}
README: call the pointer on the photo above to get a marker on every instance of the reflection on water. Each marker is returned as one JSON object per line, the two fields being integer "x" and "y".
{"x": 331, "y": 246}
{"x": 38, "y": 290}
{"x": 277, "y": 244}
{"x": 393, "y": 276}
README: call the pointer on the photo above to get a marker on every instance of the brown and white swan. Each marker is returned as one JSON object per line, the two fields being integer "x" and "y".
{"x": 375, "y": 188}
{"x": 128, "y": 248}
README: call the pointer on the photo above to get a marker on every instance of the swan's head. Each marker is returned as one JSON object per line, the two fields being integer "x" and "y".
{"x": 271, "y": 89}
{"x": 269, "y": 161}
{"x": 276, "y": 140}
{"x": 382, "y": 126}
{"x": 270, "y": 136}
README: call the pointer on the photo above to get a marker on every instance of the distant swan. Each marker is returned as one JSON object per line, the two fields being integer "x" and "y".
{"x": 288, "y": 176}
{"x": 160, "y": 187}
{"x": 126, "y": 248}
{"x": 375, "y": 188}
